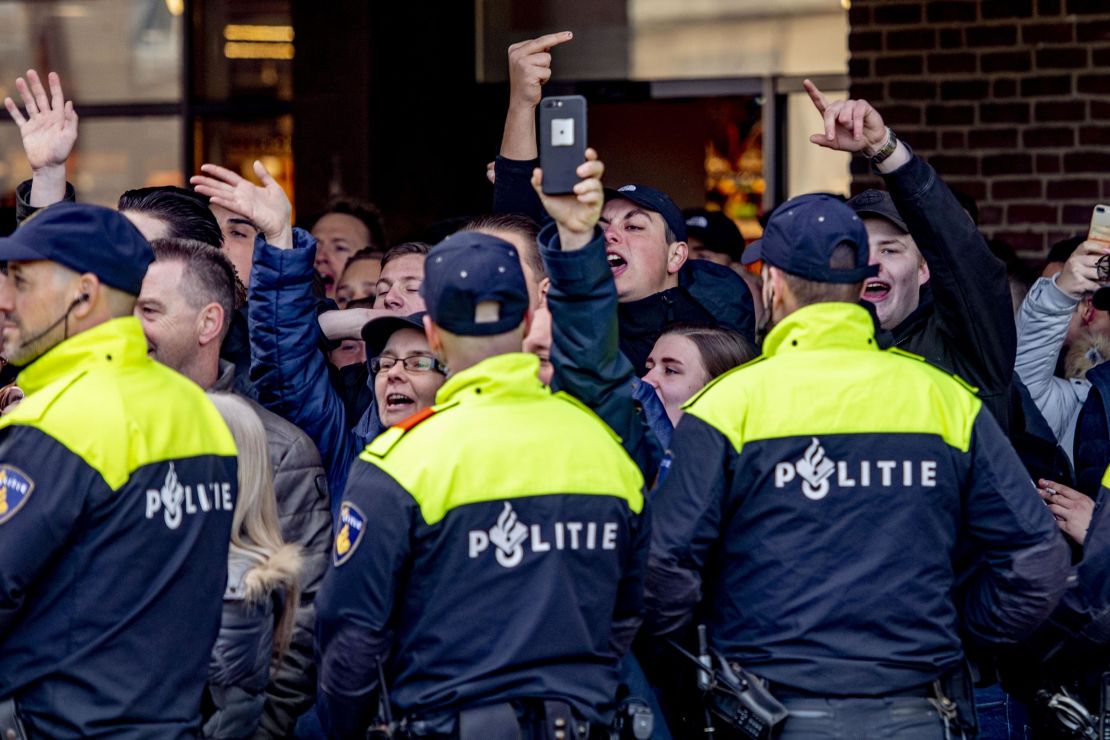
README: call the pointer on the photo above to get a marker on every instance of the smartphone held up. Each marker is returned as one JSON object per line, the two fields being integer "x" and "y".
{"x": 562, "y": 142}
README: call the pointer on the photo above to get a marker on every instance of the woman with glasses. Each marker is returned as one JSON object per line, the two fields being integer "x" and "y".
{"x": 406, "y": 373}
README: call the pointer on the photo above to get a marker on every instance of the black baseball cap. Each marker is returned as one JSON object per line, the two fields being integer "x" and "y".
{"x": 717, "y": 231}
{"x": 469, "y": 268}
{"x": 803, "y": 232}
{"x": 376, "y": 332}
{"x": 878, "y": 203}
{"x": 84, "y": 238}
{"x": 652, "y": 199}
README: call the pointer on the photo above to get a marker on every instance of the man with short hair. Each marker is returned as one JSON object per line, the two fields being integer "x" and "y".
{"x": 940, "y": 291}
{"x": 817, "y": 482}
{"x": 186, "y": 303}
{"x": 657, "y": 286}
{"x": 499, "y": 586}
{"x": 117, "y": 489}
{"x": 346, "y": 226}
{"x": 645, "y": 231}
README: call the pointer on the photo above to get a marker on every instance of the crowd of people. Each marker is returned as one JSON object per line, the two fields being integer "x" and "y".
{"x": 588, "y": 467}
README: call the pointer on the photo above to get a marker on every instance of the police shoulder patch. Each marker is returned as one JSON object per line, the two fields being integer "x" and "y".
{"x": 15, "y": 488}
{"x": 352, "y": 526}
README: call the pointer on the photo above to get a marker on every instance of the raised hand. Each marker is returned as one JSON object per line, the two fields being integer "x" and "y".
{"x": 49, "y": 129}
{"x": 267, "y": 207}
{"x": 530, "y": 67}
{"x": 1080, "y": 274}
{"x": 850, "y": 125}
{"x": 577, "y": 213}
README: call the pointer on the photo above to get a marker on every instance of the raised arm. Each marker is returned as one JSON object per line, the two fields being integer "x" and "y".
{"x": 1042, "y": 328}
{"x": 583, "y": 301}
{"x": 49, "y": 132}
{"x": 287, "y": 368}
{"x": 965, "y": 278}
{"x": 529, "y": 69}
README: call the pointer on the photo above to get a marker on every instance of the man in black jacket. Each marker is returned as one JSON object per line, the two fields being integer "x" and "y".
{"x": 940, "y": 292}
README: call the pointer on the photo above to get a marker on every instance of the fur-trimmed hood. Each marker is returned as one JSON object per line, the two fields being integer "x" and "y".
{"x": 1090, "y": 348}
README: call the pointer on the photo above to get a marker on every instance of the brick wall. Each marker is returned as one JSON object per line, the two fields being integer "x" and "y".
{"x": 1009, "y": 100}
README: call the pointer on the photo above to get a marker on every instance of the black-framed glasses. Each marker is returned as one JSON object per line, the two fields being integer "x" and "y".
{"x": 412, "y": 363}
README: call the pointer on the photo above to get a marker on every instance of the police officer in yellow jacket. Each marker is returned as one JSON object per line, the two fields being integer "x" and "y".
{"x": 117, "y": 485}
{"x": 490, "y": 549}
{"x": 852, "y": 511}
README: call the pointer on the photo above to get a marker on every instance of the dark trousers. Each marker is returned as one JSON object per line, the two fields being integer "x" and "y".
{"x": 896, "y": 717}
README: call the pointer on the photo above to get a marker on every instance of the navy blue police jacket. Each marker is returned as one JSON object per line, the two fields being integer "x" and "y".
{"x": 490, "y": 548}
{"x": 117, "y": 488}
{"x": 825, "y": 499}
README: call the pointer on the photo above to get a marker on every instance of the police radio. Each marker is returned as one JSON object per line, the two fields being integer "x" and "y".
{"x": 737, "y": 698}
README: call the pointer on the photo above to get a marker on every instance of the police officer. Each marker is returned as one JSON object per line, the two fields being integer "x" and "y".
{"x": 839, "y": 489}
{"x": 117, "y": 484}
{"x": 490, "y": 549}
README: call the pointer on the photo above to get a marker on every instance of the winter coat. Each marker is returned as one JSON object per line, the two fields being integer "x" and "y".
{"x": 1042, "y": 328}
{"x": 239, "y": 668}
{"x": 304, "y": 512}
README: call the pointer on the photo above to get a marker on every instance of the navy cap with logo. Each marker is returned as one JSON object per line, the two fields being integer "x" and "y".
{"x": 652, "y": 199}
{"x": 84, "y": 238}
{"x": 802, "y": 234}
{"x": 468, "y": 269}
{"x": 872, "y": 203}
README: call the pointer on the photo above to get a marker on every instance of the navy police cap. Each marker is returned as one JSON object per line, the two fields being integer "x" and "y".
{"x": 652, "y": 199}
{"x": 84, "y": 238}
{"x": 468, "y": 269}
{"x": 802, "y": 234}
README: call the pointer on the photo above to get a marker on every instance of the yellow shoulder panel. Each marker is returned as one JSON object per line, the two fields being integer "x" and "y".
{"x": 494, "y": 451}
{"x": 838, "y": 391}
{"x": 121, "y": 418}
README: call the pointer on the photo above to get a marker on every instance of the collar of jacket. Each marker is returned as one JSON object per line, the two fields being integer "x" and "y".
{"x": 225, "y": 383}
{"x": 512, "y": 374}
{"x": 822, "y": 326}
{"x": 117, "y": 340}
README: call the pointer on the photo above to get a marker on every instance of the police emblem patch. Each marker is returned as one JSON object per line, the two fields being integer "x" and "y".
{"x": 15, "y": 489}
{"x": 352, "y": 525}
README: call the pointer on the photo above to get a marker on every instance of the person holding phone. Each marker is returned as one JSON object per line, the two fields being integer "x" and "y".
{"x": 1059, "y": 313}
{"x": 644, "y": 230}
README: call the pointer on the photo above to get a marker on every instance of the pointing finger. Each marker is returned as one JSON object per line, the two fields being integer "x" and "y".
{"x": 815, "y": 95}
{"x": 543, "y": 43}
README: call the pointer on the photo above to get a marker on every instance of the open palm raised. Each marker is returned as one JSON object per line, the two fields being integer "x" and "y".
{"x": 49, "y": 128}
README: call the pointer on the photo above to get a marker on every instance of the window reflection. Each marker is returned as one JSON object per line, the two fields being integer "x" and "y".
{"x": 112, "y": 155}
{"x": 244, "y": 50}
{"x": 106, "y": 51}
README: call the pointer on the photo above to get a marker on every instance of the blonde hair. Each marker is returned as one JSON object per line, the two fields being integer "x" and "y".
{"x": 255, "y": 530}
